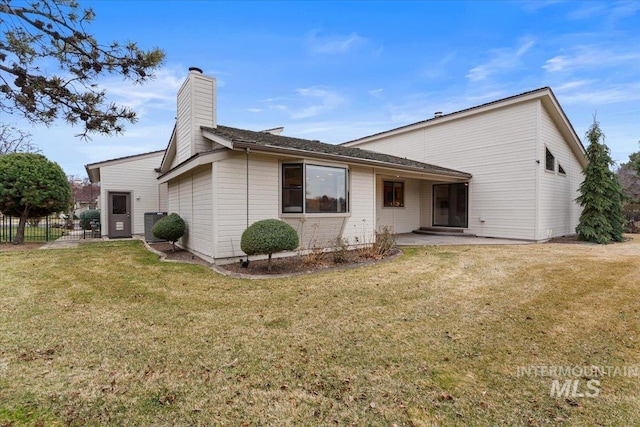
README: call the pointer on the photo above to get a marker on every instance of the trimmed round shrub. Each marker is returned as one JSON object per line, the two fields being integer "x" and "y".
{"x": 267, "y": 237}
{"x": 170, "y": 228}
{"x": 87, "y": 216}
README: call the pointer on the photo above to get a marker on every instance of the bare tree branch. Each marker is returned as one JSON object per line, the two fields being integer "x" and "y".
{"x": 14, "y": 140}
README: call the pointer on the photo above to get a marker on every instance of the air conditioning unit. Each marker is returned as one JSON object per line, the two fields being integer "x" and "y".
{"x": 150, "y": 219}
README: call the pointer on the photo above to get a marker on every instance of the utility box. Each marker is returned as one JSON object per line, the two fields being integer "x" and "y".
{"x": 150, "y": 219}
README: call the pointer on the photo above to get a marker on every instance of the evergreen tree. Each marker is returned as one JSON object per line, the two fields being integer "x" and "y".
{"x": 602, "y": 218}
{"x": 30, "y": 187}
{"x": 40, "y": 36}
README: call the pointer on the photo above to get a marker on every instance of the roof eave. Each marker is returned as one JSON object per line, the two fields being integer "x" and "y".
{"x": 170, "y": 151}
{"x": 93, "y": 169}
{"x": 212, "y": 136}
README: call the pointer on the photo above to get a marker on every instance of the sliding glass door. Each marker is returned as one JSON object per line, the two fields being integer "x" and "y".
{"x": 450, "y": 205}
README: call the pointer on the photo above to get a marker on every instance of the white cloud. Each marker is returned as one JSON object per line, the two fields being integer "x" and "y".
{"x": 439, "y": 69}
{"x": 422, "y": 106}
{"x": 158, "y": 93}
{"x": 587, "y": 11}
{"x": 572, "y": 85}
{"x": 525, "y": 47}
{"x": 624, "y": 9}
{"x": 279, "y": 107}
{"x": 598, "y": 96}
{"x": 328, "y": 101}
{"x": 500, "y": 60}
{"x": 534, "y": 6}
{"x": 334, "y": 44}
{"x": 376, "y": 93}
{"x": 610, "y": 11}
{"x": 589, "y": 57}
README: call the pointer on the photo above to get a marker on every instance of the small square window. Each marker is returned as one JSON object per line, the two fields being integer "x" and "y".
{"x": 393, "y": 194}
{"x": 550, "y": 164}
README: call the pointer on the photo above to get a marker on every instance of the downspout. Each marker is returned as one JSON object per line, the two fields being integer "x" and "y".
{"x": 247, "y": 167}
{"x": 538, "y": 145}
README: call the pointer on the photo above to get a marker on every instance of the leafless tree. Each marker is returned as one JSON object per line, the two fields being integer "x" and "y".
{"x": 14, "y": 140}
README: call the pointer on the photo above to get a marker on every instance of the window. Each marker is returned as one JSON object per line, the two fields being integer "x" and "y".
{"x": 550, "y": 164}
{"x": 561, "y": 170}
{"x": 118, "y": 204}
{"x": 393, "y": 194}
{"x": 324, "y": 189}
{"x": 291, "y": 188}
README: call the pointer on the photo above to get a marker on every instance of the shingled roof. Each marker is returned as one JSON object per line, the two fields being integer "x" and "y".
{"x": 264, "y": 140}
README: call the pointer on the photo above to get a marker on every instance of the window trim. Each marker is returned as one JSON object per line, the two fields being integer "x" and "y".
{"x": 304, "y": 163}
{"x": 433, "y": 204}
{"x": 548, "y": 153}
{"x": 561, "y": 170}
{"x": 393, "y": 183}
{"x": 283, "y": 188}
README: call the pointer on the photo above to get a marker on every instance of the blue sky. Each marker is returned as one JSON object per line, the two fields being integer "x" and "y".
{"x": 335, "y": 71}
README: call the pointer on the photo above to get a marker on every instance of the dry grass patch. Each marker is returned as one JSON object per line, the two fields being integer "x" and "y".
{"x": 105, "y": 334}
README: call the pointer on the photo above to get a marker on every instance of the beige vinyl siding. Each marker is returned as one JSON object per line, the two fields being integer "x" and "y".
{"x": 191, "y": 197}
{"x": 498, "y": 148}
{"x": 264, "y": 188}
{"x": 361, "y": 224}
{"x": 202, "y": 214}
{"x": 316, "y": 232}
{"x": 559, "y": 214}
{"x": 185, "y": 203}
{"x": 203, "y": 101}
{"x": 180, "y": 202}
{"x": 196, "y": 108}
{"x": 400, "y": 219}
{"x": 183, "y": 124}
{"x": 426, "y": 203}
{"x": 173, "y": 201}
{"x": 137, "y": 176}
{"x": 231, "y": 196}
{"x": 162, "y": 197}
{"x": 231, "y": 205}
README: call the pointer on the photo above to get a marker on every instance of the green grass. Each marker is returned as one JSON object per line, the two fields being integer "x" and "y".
{"x": 107, "y": 335}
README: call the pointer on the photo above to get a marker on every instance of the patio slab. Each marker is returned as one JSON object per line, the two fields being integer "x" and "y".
{"x": 414, "y": 239}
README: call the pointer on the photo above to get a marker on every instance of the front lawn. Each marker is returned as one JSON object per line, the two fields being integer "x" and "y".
{"x": 107, "y": 335}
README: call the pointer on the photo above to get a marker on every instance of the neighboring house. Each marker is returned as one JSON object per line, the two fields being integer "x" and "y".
{"x": 128, "y": 189}
{"x": 491, "y": 177}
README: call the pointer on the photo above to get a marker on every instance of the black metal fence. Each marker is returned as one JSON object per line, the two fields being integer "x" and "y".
{"x": 46, "y": 229}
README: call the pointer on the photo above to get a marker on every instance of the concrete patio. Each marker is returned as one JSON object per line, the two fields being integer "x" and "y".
{"x": 414, "y": 239}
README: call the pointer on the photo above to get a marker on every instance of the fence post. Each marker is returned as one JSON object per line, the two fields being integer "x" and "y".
{"x": 46, "y": 227}
{"x": 10, "y": 229}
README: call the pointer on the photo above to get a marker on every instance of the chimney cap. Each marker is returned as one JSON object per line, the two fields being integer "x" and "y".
{"x": 196, "y": 69}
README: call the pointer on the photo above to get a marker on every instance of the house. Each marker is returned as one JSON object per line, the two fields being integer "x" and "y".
{"x": 525, "y": 158}
{"x": 128, "y": 189}
{"x": 510, "y": 168}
